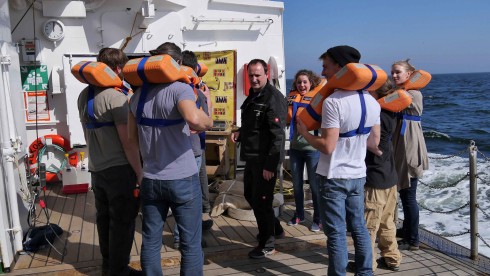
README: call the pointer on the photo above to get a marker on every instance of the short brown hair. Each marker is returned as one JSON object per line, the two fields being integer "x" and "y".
{"x": 168, "y": 48}
{"x": 112, "y": 57}
{"x": 261, "y": 61}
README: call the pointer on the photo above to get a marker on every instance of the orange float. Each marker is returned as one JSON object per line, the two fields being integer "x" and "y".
{"x": 396, "y": 101}
{"x": 418, "y": 80}
{"x": 154, "y": 69}
{"x": 295, "y": 97}
{"x": 38, "y": 146}
{"x": 353, "y": 76}
{"x": 96, "y": 73}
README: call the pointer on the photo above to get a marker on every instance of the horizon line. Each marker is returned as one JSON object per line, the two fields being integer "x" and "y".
{"x": 433, "y": 74}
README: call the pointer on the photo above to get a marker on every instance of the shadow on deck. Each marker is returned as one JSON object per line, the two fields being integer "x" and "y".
{"x": 302, "y": 252}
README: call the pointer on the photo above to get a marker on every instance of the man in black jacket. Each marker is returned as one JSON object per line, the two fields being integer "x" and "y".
{"x": 262, "y": 136}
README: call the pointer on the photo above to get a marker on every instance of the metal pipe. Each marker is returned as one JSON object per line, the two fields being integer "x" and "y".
{"x": 198, "y": 20}
{"x": 472, "y": 149}
{"x": 8, "y": 157}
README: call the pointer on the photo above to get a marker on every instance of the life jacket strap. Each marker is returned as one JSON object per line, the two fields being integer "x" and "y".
{"x": 295, "y": 106}
{"x": 406, "y": 117}
{"x": 361, "y": 129}
{"x": 149, "y": 121}
{"x": 93, "y": 124}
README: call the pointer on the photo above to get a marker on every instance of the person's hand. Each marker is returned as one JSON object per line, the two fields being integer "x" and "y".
{"x": 235, "y": 135}
{"x": 267, "y": 174}
{"x": 378, "y": 152}
{"x": 205, "y": 91}
{"x": 300, "y": 127}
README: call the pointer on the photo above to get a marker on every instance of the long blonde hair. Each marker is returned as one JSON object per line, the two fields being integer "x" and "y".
{"x": 405, "y": 64}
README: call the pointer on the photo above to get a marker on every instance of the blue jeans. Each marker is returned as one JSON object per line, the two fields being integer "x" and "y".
{"x": 183, "y": 196}
{"x": 342, "y": 200}
{"x": 408, "y": 197}
{"x": 176, "y": 228}
{"x": 298, "y": 160}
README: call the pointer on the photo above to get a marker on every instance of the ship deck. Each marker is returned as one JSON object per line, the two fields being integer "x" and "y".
{"x": 301, "y": 252}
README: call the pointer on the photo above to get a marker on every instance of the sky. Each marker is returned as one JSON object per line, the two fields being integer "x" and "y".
{"x": 439, "y": 36}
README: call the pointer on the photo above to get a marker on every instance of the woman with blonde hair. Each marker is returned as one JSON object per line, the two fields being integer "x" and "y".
{"x": 410, "y": 155}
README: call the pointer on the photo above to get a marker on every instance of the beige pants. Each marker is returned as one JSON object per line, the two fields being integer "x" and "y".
{"x": 379, "y": 212}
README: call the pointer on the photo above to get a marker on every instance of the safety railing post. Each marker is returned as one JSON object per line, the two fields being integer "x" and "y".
{"x": 472, "y": 149}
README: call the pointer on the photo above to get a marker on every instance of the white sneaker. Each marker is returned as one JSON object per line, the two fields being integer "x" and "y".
{"x": 315, "y": 227}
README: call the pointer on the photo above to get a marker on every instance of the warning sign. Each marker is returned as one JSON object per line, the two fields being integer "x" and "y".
{"x": 35, "y": 85}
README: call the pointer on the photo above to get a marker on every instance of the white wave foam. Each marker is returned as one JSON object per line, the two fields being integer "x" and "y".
{"x": 444, "y": 172}
{"x": 435, "y": 134}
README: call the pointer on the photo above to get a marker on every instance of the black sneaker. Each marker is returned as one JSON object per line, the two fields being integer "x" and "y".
{"x": 399, "y": 233}
{"x": 207, "y": 224}
{"x": 261, "y": 252}
{"x": 351, "y": 267}
{"x": 382, "y": 264}
{"x": 134, "y": 272}
{"x": 404, "y": 245}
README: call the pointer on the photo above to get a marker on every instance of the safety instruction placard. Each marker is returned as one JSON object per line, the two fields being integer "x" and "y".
{"x": 36, "y": 105}
{"x": 34, "y": 85}
{"x": 221, "y": 80}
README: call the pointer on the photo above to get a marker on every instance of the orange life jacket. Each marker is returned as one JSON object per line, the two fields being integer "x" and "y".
{"x": 418, "y": 80}
{"x": 396, "y": 101}
{"x": 353, "y": 76}
{"x": 154, "y": 69}
{"x": 295, "y": 97}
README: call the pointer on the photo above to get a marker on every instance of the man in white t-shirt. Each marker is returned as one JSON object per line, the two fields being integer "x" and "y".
{"x": 350, "y": 121}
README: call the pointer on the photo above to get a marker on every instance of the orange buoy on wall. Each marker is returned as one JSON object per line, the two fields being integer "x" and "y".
{"x": 353, "y": 76}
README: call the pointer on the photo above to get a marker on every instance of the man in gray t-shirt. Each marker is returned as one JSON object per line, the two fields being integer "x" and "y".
{"x": 114, "y": 165}
{"x": 161, "y": 117}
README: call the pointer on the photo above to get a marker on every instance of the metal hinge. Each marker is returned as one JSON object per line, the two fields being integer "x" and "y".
{"x": 5, "y": 60}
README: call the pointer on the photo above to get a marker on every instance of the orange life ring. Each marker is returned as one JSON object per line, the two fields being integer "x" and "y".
{"x": 353, "y": 76}
{"x": 396, "y": 101}
{"x": 39, "y": 145}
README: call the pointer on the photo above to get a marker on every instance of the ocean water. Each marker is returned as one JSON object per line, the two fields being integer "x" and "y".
{"x": 456, "y": 111}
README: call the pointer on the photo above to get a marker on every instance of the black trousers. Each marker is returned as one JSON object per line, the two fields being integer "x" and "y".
{"x": 260, "y": 194}
{"x": 116, "y": 212}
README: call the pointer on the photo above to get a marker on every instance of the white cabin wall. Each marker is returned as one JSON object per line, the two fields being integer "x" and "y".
{"x": 111, "y": 23}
